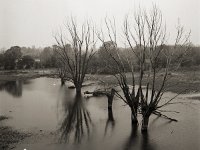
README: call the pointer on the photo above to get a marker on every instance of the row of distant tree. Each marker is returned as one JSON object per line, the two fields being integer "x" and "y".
{"x": 26, "y": 58}
{"x": 14, "y": 59}
{"x": 103, "y": 63}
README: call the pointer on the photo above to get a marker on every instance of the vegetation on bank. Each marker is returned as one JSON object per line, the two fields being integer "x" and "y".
{"x": 185, "y": 81}
{"x": 13, "y": 75}
{"x": 101, "y": 63}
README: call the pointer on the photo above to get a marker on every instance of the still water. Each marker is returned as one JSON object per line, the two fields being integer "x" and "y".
{"x": 60, "y": 120}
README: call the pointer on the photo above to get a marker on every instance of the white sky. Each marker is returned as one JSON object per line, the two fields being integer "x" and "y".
{"x": 33, "y": 22}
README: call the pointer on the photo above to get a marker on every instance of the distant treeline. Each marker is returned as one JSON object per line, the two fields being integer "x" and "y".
{"x": 33, "y": 58}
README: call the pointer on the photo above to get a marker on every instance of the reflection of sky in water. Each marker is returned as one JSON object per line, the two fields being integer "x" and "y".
{"x": 45, "y": 105}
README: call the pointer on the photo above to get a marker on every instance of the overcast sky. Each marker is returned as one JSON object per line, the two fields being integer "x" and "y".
{"x": 33, "y": 22}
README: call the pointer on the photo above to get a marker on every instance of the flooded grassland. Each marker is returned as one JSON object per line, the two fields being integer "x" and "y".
{"x": 49, "y": 116}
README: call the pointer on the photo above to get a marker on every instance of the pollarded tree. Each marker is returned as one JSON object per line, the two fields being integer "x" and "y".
{"x": 146, "y": 38}
{"x": 60, "y": 66}
{"x": 130, "y": 95}
{"x": 76, "y": 59}
{"x": 149, "y": 34}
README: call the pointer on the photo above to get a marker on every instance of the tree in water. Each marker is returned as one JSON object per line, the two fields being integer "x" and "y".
{"x": 149, "y": 35}
{"x": 109, "y": 93}
{"x": 76, "y": 55}
{"x": 129, "y": 96}
{"x": 146, "y": 37}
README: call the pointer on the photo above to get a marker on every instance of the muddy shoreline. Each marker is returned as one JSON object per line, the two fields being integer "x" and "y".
{"x": 8, "y": 136}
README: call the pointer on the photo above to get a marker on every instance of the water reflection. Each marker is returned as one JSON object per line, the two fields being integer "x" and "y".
{"x": 132, "y": 139}
{"x": 77, "y": 122}
{"x": 146, "y": 145}
{"x": 37, "y": 110}
{"x": 136, "y": 140}
{"x": 13, "y": 88}
{"x": 110, "y": 121}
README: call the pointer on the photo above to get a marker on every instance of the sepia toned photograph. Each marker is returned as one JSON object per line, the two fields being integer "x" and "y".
{"x": 99, "y": 75}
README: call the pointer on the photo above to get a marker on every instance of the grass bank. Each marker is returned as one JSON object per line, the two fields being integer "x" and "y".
{"x": 184, "y": 81}
{"x": 12, "y": 75}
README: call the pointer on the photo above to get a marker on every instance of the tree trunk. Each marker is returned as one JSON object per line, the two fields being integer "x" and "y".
{"x": 62, "y": 81}
{"x": 110, "y": 114}
{"x": 110, "y": 101}
{"x": 145, "y": 122}
{"x": 134, "y": 116}
{"x": 110, "y": 98}
{"x": 78, "y": 90}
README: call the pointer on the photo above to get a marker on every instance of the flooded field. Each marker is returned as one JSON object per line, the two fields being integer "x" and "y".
{"x": 59, "y": 120}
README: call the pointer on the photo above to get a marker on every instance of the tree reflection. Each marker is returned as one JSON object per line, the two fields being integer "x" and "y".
{"x": 77, "y": 121}
{"x": 146, "y": 145}
{"x": 135, "y": 141}
{"x": 133, "y": 138}
{"x": 13, "y": 88}
{"x": 110, "y": 121}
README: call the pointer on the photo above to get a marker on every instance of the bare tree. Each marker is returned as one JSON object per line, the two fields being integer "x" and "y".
{"x": 146, "y": 38}
{"x": 149, "y": 34}
{"x": 75, "y": 59}
{"x": 61, "y": 70}
{"x": 130, "y": 97}
{"x": 61, "y": 73}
